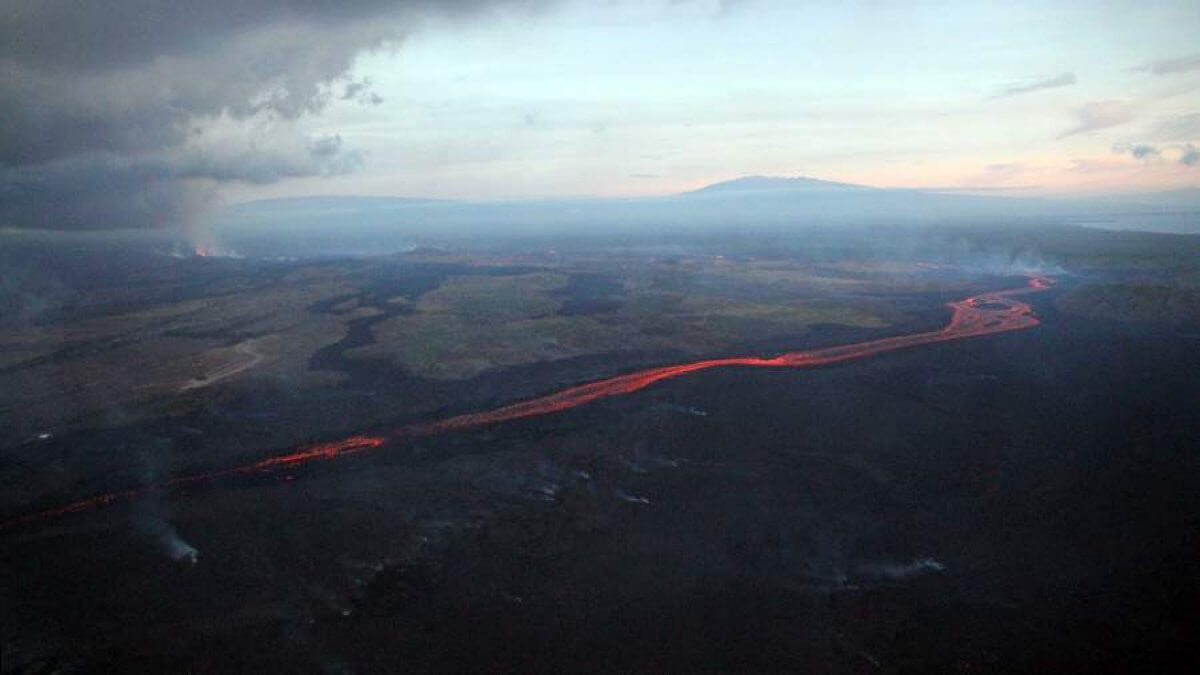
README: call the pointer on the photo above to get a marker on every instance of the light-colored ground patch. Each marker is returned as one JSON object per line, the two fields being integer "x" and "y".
{"x": 495, "y": 298}
{"x": 128, "y": 360}
{"x": 249, "y": 356}
{"x": 472, "y": 324}
{"x": 176, "y": 355}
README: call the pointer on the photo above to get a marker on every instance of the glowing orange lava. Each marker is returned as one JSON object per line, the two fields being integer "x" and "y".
{"x": 985, "y": 314}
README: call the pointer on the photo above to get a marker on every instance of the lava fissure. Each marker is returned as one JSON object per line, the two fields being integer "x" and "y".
{"x": 985, "y": 314}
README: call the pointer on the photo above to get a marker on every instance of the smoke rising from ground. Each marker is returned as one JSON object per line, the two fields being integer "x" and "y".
{"x": 150, "y": 515}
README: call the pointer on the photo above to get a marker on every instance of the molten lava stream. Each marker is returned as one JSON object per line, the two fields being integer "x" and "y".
{"x": 985, "y": 314}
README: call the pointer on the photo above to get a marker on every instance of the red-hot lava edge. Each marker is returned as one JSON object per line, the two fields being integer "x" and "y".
{"x": 984, "y": 314}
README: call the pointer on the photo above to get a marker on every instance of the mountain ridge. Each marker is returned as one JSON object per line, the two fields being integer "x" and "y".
{"x": 758, "y": 183}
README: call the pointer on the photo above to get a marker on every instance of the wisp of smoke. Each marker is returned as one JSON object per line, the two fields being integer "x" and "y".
{"x": 168, "y": 540}
{"x": 902, "y": 571}
{"x": 150, "y": 520}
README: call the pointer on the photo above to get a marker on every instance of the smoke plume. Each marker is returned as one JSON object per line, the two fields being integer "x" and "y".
{"x": 150, "y": 516}
{"x": 131, "y": 113}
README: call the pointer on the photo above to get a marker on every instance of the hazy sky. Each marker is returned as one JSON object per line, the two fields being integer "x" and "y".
{"x": 134, "y": 113}
{"x": 645, "y": 98}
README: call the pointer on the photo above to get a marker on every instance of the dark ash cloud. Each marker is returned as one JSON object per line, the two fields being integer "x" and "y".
{"x": 128, "y": 112}
{"x": 1181, "y": 64}
{"x": 1060, "y": 80}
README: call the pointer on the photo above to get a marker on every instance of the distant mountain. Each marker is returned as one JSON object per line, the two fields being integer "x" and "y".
{"x": 774, "y": 183}
{"x": 753, "y": 204}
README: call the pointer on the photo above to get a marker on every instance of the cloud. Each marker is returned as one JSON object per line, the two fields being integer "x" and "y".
{"x": 997, "y": 177}
{"x": 1181, "y": 64}
{"x": 1144, "y": 151}
{"x": 1095, "y": 166}
{"x": 1099, "y": 115}
{"x": 1005, "y": 170}
{"x": 151, "y": 101}
{"x": 1060, "y": 80}
{"x": 968, "y": 188}
{"x": 727, "y": 7}
{"x": 1138, "y": 150}
{"x": 99, "y": 190}
{"x": 715, "y": 8}
{"x": 360, "y": 91}
{"x": 1183, "y": 128}
{"x": 1186, "y": 154}
{"x": 994, "y": 174}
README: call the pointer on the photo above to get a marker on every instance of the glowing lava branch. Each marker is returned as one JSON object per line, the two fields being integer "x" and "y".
{"x": 984, "y": 314}
{"x": 322, "y": 451}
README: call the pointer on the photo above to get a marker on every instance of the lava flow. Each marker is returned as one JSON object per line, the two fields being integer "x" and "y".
{"x": 984, "y": 314}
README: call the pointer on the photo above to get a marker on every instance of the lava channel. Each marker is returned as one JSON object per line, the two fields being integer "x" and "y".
{"x": 984, "y": 314}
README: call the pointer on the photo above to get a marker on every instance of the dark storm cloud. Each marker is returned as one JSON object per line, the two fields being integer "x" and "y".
{"x": 108, "y": 190}
{"x": 1060, "y": 80}
{"x": 96, "y": 192}
{"x": 72, "y": 35}
{"x": 104, "y": 100}
{"x": 1172, "y": 66}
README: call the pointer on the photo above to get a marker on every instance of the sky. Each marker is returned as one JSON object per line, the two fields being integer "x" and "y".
{"x": 146, "y": 112}
{"x": 644, "y": 98}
